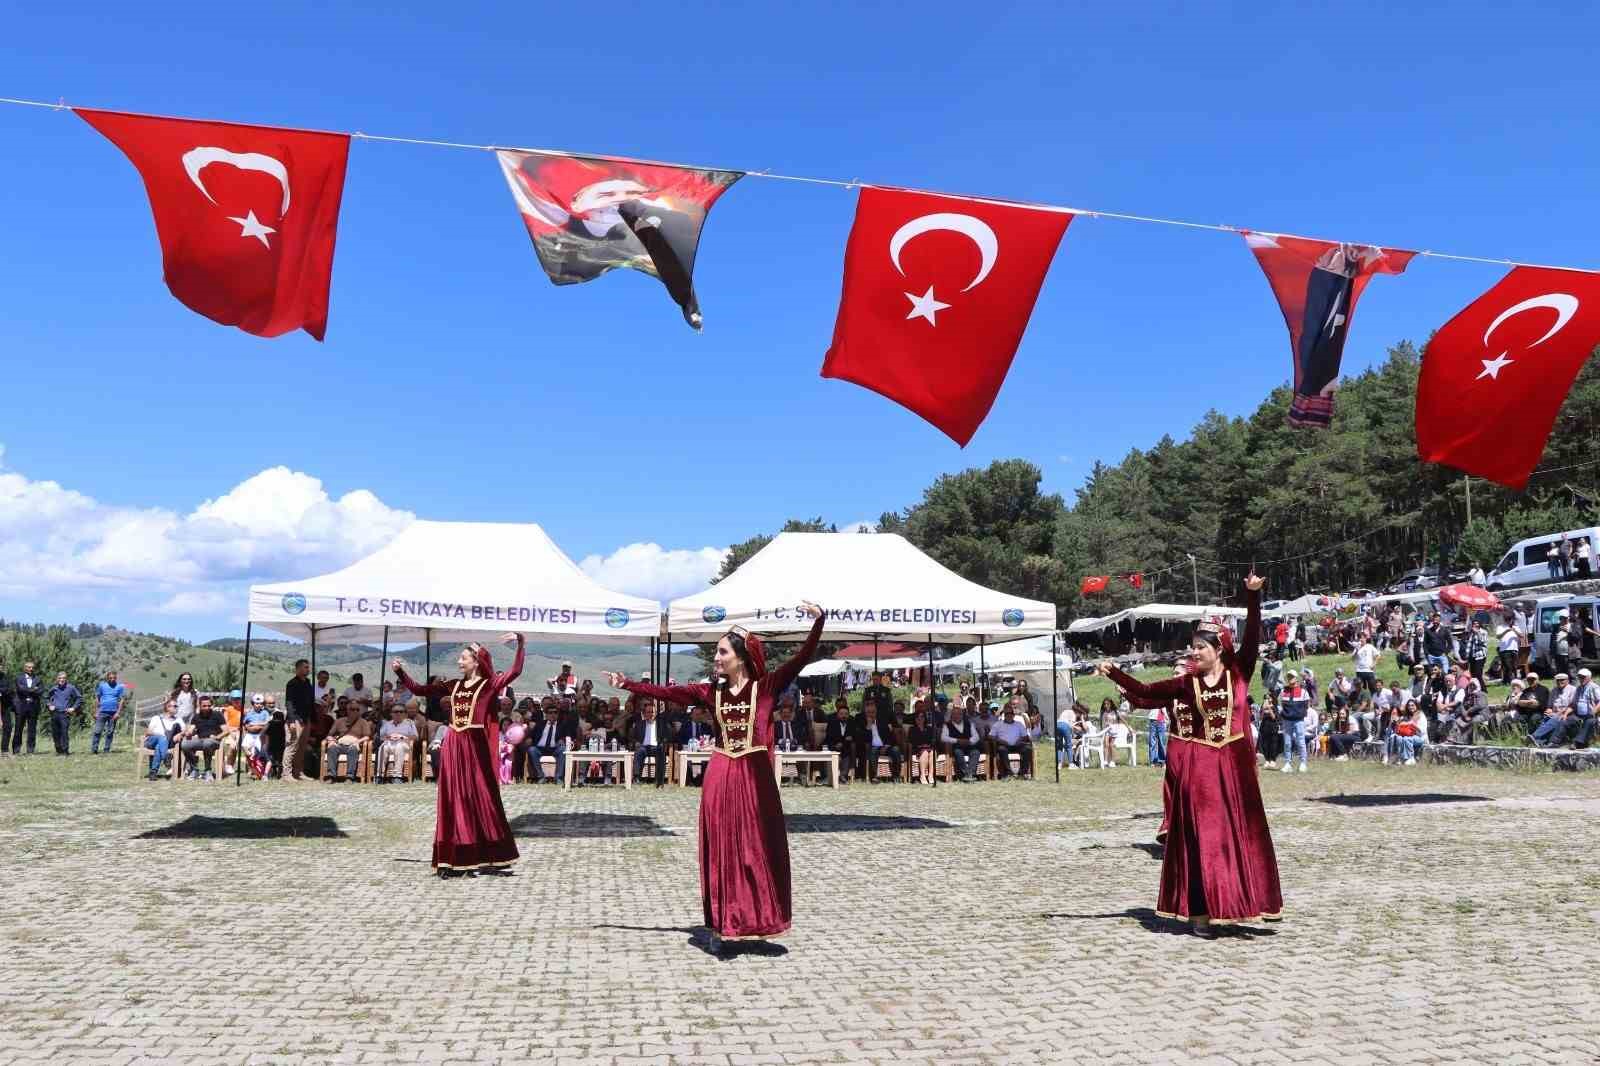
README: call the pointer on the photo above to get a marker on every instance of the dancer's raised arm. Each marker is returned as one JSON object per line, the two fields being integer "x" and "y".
{"x": 1251, "y": 645}
{"x": 784, "y": 675}
{"x": 1148, "y": 694}
{"x": 501, "y": 680}
{"x": 438, "y": 689}
{"x": 682, "y": 695}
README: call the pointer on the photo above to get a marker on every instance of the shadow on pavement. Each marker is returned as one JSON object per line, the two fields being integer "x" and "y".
{"x": 700, "y": 937}
{"x": 1154, "y": 923}
{"x": 1399, "y": 799}
{"x": 859, "y": 823}
{"x": 587, "y": 825}
{"x": 200, "y": 827}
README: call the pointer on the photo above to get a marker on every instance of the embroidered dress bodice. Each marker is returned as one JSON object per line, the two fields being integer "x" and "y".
{"x": 1209, "y": 718}
{"x": 463, "y": 694}
{"x": 736, "y": 719}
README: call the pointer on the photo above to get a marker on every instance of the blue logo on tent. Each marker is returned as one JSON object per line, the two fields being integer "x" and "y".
{"x": 713, "y": 614}
{"x": 1012, "y": 617}
{"x": 617, "y": 617}
{"x": 293, "y": 603}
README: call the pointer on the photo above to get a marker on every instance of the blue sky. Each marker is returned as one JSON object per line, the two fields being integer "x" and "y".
{"x": 457, "y": 383}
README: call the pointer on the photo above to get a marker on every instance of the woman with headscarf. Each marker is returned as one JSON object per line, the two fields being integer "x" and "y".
{"x": 744, "y": 846}
{"x": 1219, "y": 864}
{"x": 471, "y": 833}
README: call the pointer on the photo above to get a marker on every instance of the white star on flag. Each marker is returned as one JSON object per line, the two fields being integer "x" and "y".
{"x": 925, "y": 306}
{"x": 250, "y": 226}
{"x": 1492, "y": 367}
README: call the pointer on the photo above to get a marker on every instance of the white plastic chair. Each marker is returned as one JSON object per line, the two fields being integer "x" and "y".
{"x": 1094, "y": 744}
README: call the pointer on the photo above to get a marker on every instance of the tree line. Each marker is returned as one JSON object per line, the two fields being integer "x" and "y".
{"x": 1312, "y": 510}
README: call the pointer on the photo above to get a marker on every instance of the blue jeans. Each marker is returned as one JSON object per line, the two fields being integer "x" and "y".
{"x": 1158, "y": 743}
{"x": 1549, "y": 729}
{"x": 1441, "y": 661}
{"x": 104, "y": 724}
{"x": 1294, "y": 739}
{"x": 159, "y": 755}
{"x": 1063, "y": 744}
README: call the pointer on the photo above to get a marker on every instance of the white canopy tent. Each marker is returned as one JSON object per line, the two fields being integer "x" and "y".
{"x": 873, "y": 585}
{"x": 462, "y": 580}
{"x": 1161, "y": 612}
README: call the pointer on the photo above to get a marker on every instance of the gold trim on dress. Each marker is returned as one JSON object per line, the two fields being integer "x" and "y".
{"x": 474, "y": 866}
{"x": 1216, "y": 725}
{"x": 461, "y": 713}
{"x": 756, "y": 936}
{"x": 736, "y": 740}
{"x": 742, "y": 753}
{"x": 1211, "y": 743}
{"x": 1274, "y": 916}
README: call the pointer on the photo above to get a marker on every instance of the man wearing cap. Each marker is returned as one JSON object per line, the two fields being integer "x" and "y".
{"x": 1562, "y": 698}
{"x": 1578, "y": 728}
{"x": 1532, "y": 703}
{"x": 1561, "y": 646}
{"x": 1293, "y": 706}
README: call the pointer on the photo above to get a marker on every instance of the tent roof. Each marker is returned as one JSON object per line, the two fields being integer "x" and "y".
{"x": 888, "y": 649}
{"x": 1163, "y": 612}
{"x": 459, "y": 580}
{"x": 1007, "y": 658}
{"x": 871, "y": 584}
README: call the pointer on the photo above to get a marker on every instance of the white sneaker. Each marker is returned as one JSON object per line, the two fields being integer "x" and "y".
{"x": 1302, "y": 767}
{"x": 1385, "y": 760}
{"x": 1341, "y": 758}
{"x": 1288, "y": 767}
{"x": 1411, "y": 761}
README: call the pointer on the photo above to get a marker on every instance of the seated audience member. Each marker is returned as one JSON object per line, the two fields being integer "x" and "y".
{"x": 397, "y": 738}
{"x": 159, "y": 734}
{"x": 437, "y": 732}
{"x": 1010, "y": 738}
{"x": 876, "y": 738}
{"x": 1340, "y": 690}
{"x": 1580, "y": 723}
{"x": 358, "y": 693}
{"x": 984, "y": 721}
{"x": 203, "y": 735}
{"x": 1535, "y": 700}
{"x": 787, "y": 733}
{"x": 1117, "y": 732}
{"x": 649, "y": 740}
{"x": 1407, "y": 735}
{"x": 1343, "y": 733}
{"x": 922, "y": 742}
{"x": 550, "y": 737}
{"x": 963, "y": 743}
{"x": 1562, "y": 698}
{"x": 1365, "y": 715}
{"x": 232, "y": 738}
{"x": 344, "y": 739}
{"x": 512, "y": 732}
{"x": 697, "y": 732}
{"x": 842, "y": 737}
{"x": 255, "y": 736}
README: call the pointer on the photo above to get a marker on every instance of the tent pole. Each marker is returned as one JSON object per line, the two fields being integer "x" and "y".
{"x": 1055, "y": 697}
{"x": 244, "y": 697}
{"x": 666, "y": 671}
{"x": 874, "y": 653}
{"x": 983, "y": 671}
{"x": 935, "y": 773}
{"x": 314, "y": 653}
{"x": 427, "y": 656}
{"x": 382, "y": 660}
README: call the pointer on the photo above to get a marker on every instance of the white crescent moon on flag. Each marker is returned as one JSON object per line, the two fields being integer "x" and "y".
{"x": 197, "y": 159}
{"x": 1563, "y": 304}
{"x": 975, "y": 229}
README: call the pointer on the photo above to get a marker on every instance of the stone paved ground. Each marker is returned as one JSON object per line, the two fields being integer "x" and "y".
{"x": 972, "y": 924}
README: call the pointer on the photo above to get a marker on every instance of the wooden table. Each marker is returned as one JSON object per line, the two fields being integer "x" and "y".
{"x": 799, "y": 759}
{"x": 685, "y": 757}
{"x": 622, "y": 758}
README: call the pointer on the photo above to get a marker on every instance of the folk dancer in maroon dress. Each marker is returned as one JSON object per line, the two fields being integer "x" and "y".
{"x": 471, "y": 832}
{"x": 1219, "y": 864}
{"x": 744, "y": 845}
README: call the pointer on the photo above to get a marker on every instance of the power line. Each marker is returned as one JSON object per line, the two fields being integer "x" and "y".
{"x": 1156, "y": 220}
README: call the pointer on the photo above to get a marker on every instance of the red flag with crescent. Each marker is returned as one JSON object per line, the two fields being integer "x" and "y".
{"x": 246, "y": 215}
{"x": 937, "y": 293}
{"x": 1136, "y": 580}
{"x": 1494, "y": 376}
{"x": 1093, "y": 584}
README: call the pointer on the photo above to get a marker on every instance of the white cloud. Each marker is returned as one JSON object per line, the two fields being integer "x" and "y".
{"x": 58, "y": 543}
{"x": 862, "y": 526}
{"x": 654, "y": 571}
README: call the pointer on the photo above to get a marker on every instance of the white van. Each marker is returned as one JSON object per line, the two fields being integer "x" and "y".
{"x": 1547, "y": 613}
{"x": 1529, "y": 562}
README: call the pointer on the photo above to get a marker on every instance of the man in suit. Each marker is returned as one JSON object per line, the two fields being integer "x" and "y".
{"x": 548, "y": 737}
{"x": 875, "y": 738}
{"x": 27, "y": 695}
{"x": 878, "y": 693}
{"x": 697, "y": 729}
{"x": 841, "y": 737}
{"x": 6, "y": 716}
{"x": 789, "y": 735}
{"x": 649, "y": 738}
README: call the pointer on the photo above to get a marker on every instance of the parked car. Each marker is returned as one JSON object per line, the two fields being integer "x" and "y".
{"x": 1423, "y": 577}
{"x": 1528, "y": 561}
{"x": 1358, "y": 594}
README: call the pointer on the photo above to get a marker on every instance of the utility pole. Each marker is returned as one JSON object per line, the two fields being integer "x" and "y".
{"x": 1194, "y": 573}
{"x": 1468, "y": 479}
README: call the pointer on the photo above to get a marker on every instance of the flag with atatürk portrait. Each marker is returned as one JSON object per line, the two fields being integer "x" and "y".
{"x": 589, "y": 215}
{"x": 1317, "y": 284}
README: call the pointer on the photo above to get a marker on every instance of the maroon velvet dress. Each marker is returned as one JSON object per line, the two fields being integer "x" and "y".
{"x": 744, "y": 845}
{"x": 471, "y": 831}
{"x": 1219, "y": 861}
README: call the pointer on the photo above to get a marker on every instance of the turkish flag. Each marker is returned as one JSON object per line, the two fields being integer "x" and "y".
{"x": 1317, "y": 284}
{"x": 1495, "y": 375}
{"x": 246, "y": 215}
{"x": 937, "y": 293}
{"x": 1136, "y": 580}
{"x": 1093, "y": 584}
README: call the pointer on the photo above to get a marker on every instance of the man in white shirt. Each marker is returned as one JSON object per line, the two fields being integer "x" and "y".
{"x": 649, "y": 738}
{"x": 395, "y": 739}
{"x": 1010, "y": 738}
{"x": 358, "y": 693}
{"x": 319, "y": 691}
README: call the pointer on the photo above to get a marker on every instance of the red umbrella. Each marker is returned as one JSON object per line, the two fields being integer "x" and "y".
{"x": 1470, "y": 597}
